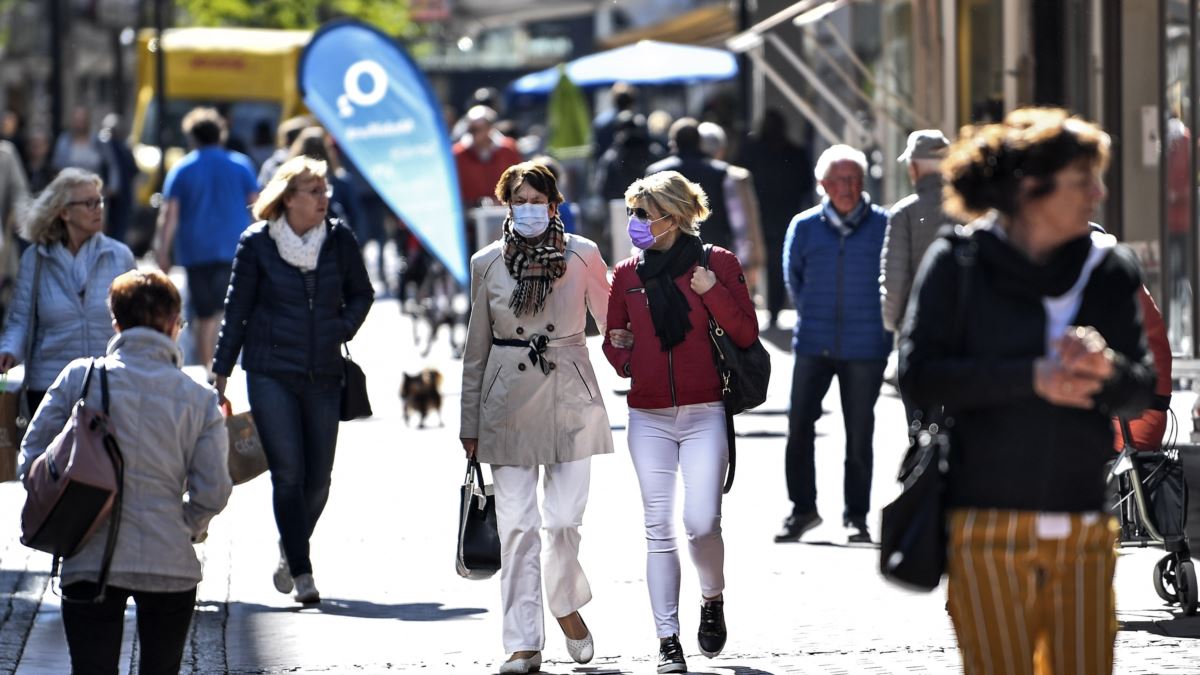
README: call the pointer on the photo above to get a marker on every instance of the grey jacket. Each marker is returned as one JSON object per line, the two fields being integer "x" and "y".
{"x": 175, "y": 446}
{"x": 913, "y": 224}
{"x": 70, "y": 323}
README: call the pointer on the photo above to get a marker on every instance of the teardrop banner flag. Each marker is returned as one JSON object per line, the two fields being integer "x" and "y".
{"x": 378, "y": 106}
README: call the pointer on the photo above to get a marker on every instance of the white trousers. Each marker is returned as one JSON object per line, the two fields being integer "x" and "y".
{"x": 520, "y": 523}
{"x": 689, "y": 440}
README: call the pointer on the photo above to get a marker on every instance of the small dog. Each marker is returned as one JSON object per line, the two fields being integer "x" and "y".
{"x": 422, "y": 394}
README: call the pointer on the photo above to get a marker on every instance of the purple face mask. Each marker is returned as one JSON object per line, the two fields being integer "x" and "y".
{"x": 640, "y": 234}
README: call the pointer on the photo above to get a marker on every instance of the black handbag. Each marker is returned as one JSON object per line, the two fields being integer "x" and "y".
{"x": 478, "y": 539}
{"x": 745, "y": 373}
{"x": 355, "y": 403}
{"x": 912, "y": 539}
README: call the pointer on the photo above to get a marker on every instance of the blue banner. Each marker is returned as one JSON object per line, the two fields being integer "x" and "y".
{"x": 369, "y": 94}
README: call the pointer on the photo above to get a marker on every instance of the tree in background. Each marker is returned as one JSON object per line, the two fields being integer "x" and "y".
{"x": 391, "y": 16}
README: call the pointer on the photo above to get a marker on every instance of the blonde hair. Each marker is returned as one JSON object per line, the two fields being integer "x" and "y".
{"x": 43, "y": 222}
{"x": 270, "y": 201}
{"x": 671, "y": 194}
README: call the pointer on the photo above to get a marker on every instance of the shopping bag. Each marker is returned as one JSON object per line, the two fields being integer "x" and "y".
{"x": 478, "y": 539}
{"x": 247, "y": 459}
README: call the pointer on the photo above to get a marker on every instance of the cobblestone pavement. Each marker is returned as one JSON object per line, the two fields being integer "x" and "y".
{"x": 383, "y": 558}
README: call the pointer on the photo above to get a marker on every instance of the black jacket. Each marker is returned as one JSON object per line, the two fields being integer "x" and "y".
{"x": 269, "y": 314}
{"x": 710, "y": 174}
{"x": 1010, "y": 448}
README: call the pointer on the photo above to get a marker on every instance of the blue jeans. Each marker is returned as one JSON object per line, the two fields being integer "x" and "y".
{"x": 297, "y": 420}
{"x": 859, "y": 381}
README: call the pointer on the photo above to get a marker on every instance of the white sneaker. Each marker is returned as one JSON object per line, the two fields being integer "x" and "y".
{"x": 521, "y": 666}
{"x": 283, "y": 576}
{"x": 306, "y": 589}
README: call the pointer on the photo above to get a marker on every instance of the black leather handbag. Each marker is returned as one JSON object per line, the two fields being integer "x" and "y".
{"x": 478, "y": 539}
{"x": 355, "y": 403}
{"x": 745, "y": 373}
{"x": 912, "y": 539}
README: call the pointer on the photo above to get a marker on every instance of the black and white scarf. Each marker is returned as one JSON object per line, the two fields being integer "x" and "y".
{"x": 535, "y": 266}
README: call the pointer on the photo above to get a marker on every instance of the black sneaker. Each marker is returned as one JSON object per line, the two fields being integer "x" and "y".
{"x": 670, "y": 656}
{"x": 857, "y": 533}
{"x": 796, "y": 525}
{"x": 711, "y": 636}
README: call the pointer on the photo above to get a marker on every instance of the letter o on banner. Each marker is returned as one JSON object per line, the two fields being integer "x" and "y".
{"x": 378, "y": 87}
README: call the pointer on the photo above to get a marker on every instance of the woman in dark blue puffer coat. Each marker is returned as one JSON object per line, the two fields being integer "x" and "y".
{"x": 299, "y": 290}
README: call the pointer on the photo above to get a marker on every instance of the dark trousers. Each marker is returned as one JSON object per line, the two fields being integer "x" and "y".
{"x": 94, "y": 630}
{"x": 859, "y": 381}
{"x": 297, "y": 420}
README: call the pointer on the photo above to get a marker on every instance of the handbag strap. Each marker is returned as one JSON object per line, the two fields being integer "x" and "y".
{"x": 33, "y": 322}
{"x": 474, "y": 477}
{"x": 113, "y": 450}
{"x": 704, "y": 251}
{"x": 964, "y": 258}
{"x": 730, "y": 434}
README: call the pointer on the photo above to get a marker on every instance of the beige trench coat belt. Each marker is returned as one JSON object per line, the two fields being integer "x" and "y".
{"x": 537, "y": 345}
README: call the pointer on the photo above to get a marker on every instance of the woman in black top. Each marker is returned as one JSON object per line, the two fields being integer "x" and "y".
{"x": 299, "y": 290}
{"x": 1051, "y": 348}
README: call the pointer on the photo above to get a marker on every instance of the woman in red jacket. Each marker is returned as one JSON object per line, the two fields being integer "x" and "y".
{"x": 663, "y": 298}
{"x": 1149, "y": 428}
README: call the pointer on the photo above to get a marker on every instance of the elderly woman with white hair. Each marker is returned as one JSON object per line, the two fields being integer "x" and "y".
{"x": 59, "y": 311}
{"x": 299, "y": 290}
{"x": 831, "y": 261}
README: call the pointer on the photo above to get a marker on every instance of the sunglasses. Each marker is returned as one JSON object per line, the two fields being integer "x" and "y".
{"x": 641, "y": 214}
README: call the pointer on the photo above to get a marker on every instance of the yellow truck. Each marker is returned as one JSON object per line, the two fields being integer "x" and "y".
{"x": 248, "y": 74}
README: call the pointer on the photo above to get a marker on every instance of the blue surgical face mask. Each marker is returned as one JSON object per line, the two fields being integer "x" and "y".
{"x": 530, "y": 220}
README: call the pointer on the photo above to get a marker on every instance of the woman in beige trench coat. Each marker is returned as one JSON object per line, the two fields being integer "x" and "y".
{"x": 531, "y": 405}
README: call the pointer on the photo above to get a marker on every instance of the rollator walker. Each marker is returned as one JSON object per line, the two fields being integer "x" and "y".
{"x": 1148, "y": 494}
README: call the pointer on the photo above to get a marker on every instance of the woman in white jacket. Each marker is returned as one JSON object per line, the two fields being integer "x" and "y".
{"x": 74, "y": 264}
{"x": 173, "y": 440}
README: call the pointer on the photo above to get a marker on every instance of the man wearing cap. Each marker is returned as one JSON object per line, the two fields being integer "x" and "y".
{"x": 913, "y": 223}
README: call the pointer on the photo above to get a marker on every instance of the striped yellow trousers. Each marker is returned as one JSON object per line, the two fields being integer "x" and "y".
{"x": 1024, "y": 604}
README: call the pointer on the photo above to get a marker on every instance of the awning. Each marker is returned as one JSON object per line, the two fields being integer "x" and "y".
{"x": 707, "y": 26}
{"x": 646, "y": 62}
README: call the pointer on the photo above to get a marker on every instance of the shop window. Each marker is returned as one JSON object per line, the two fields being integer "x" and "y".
{"x": 1178, "y": 181}
{"x": 981, "y": 60}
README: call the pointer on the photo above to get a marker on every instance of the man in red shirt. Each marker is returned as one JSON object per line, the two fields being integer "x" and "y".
{"x": 481, "y": 156}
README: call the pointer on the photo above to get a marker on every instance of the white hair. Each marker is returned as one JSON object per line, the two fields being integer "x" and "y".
{"x": 712, "y": 138}
{"x": 839, "y": 153}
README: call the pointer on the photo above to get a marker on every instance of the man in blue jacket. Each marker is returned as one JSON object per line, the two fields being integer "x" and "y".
{"x": 831, "y": 259}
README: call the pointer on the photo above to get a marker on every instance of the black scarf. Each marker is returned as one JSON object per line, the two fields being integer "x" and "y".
{"x": 669, "y": 307}
{"x": 1013, "y": 271}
